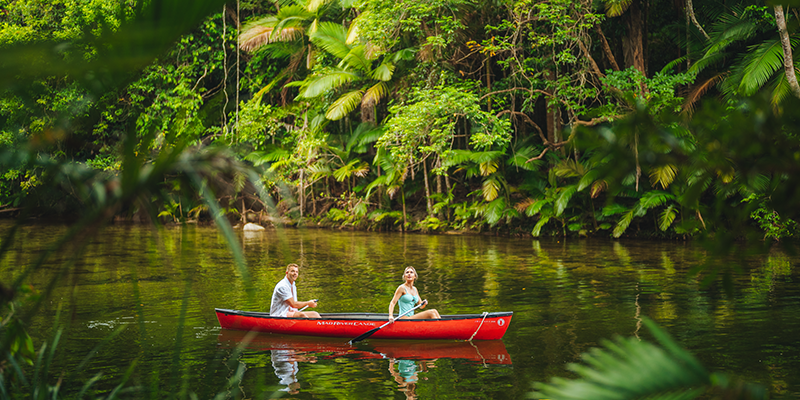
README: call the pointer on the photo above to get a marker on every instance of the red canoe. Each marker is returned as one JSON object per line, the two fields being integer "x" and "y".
{"x": 488, "y": 326}
{"x": 483, "y": 351}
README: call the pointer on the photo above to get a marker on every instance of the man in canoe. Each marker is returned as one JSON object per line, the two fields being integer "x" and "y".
{"x": 284, "y": 297}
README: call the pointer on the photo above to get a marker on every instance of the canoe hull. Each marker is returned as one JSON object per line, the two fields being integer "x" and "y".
{"x": 491, "y": 326}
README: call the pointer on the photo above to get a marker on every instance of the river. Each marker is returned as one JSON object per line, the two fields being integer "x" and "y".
{"x": 146, "y": 297}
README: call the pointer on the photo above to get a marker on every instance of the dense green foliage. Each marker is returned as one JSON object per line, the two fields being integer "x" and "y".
{"x": 435, "y": 115}
{"x": 561, "y": 117}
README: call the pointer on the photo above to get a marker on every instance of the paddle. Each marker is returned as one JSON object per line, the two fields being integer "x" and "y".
{"x": 371, "y": 331}
{"x": 315, "y": 300}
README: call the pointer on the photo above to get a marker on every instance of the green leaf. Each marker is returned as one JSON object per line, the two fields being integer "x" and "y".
{"x": 537, "y": 229}
{"x": 344, "y": 105}
{"x": 564, "y": 197}
{"x": 630, "y": 368}
{"x": 667, "y": 218}
{"x": 490, "y": 189}
{"x": 324, "y": 83}
{"x": 332, "y": 38}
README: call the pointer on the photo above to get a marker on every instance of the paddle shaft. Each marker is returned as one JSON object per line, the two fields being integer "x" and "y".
{"x": 315, "y": 300}
{"x": 370, "y": 332}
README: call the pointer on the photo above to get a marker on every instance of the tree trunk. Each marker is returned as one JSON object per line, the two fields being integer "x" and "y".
{"x": 634, "y": 43}
{"x": 302, "y": 192}
{"x": 693, "y": 18}
{"x": 606, "y": 48}
{"x": 786, "y": 44}
{"x": 428, "y": 203}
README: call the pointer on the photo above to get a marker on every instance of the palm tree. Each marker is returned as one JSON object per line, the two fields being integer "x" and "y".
{"x": 745, "y": 55}
{"x": 361, "y": 73}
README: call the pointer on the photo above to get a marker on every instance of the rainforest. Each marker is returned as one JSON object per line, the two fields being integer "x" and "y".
{"x": 616, "y": 157}
{"x": 608, "y": 118}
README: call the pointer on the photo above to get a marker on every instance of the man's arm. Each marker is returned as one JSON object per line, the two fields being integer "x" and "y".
{"x": 300, "y": 304}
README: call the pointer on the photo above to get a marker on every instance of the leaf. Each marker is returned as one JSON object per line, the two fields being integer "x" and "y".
{"x": 332, "y": 38}
{"x": 375, "y": 93}
{"x": 564, "y": 197}
{"x": 344, "y": 105}
{"x": 487, "y": 168}
{"x": 624, "y": 222}
{"x": 615, "y": 8}
{"x": 384, "y": 72}
{"x": 324, "y": 83}
{"x": 760, "y": 64}
{"x": 667, "y": 218}
{"x": 654, "y": 198}
{"x": 494, "y": 211}
{"x": 663, "y": 175}
{"x": 537, "y": 229}
{"x": 490, "y": 189}
{"x": 629, "y": 368}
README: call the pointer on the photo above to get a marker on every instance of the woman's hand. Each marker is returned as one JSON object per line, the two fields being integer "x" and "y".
{"x": 424, "y": 303}
{"x": 391, "y": 318}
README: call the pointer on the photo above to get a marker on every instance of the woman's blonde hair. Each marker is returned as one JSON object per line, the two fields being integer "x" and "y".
{"x": 416, "y": 275}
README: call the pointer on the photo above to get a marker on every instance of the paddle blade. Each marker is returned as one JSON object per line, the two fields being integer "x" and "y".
{"x": 365, "y": 335}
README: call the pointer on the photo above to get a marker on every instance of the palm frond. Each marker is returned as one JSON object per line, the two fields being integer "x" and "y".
{"x": 569, "y": 168}
{"x": 494, "y": 211}
{"x": 332, "y": 38}
{"x": 314, "y": 5}
{"x": 344, "y": 105}
{"x": 759, "y": 66}
{"x": 615, "y": 8}
{"x": 663, "y": 175}
{"x": 654, "y": 198}
{"x": 537, "y": 229}
{"x": 780, "y": 90}
{"x": 488, "y": 167}
{"x": 536, "y": 206}
{"x": 667, "y": 217}
{"x": 490, "y": 189}
{"x": 375, "y": 93}
{"x": 564, "y": 197}
{"x": 384, "y": 72}
{"x": 521, "y": 156}
{"x": 320, "y": 84}
{"x": 629, "y": 368}
{"x": 356, "y": 58}
{"x": 698, "y": 91}
{"x": 257, "y": 33}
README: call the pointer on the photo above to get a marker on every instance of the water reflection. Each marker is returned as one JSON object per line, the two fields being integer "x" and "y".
{"x": 285, "y": 364}
{"x": 404, "y": 373}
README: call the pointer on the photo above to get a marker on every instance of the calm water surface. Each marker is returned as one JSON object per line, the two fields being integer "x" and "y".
{"x": 125, "y": 298}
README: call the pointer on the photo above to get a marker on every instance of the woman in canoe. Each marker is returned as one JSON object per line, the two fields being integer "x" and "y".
{"x": 407, "y": 297}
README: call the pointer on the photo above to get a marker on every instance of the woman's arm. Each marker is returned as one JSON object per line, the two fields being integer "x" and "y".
{"x": 397, "y": 294}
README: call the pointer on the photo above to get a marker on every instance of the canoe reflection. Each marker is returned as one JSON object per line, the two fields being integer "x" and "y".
{"x": 483, "y": 351}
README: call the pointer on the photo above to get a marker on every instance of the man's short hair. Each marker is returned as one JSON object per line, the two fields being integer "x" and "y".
{"x": 292, "y": 265}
